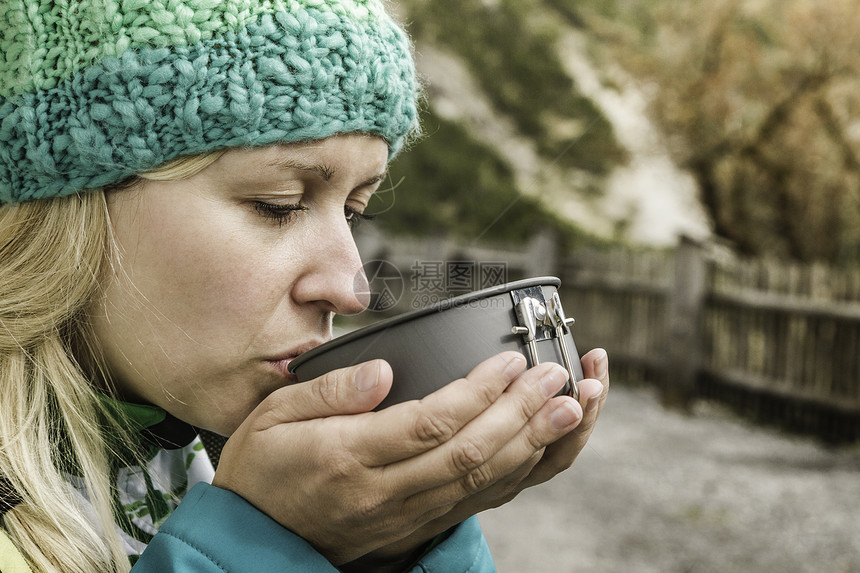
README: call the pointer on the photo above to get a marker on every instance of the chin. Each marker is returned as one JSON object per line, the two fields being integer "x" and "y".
{"x": 220, "y": 418}
{"x": 221, "y": 427}
{"x": 227, "y": 405}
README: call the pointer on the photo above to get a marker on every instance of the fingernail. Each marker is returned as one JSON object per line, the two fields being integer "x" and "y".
{"x": 593, "y": 403}
{"x": 565, "y": 415}
{"x": 514, "y": 367}
{"x": 601, "y": 365}
{"x": 367, "y": 377}
{"x": 552, "y": 381}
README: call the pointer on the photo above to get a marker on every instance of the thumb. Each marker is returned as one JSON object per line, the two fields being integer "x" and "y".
{"x": 352, "y": 390}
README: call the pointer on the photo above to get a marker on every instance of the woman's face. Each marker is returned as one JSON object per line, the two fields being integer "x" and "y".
{"x": 224, "y": 277}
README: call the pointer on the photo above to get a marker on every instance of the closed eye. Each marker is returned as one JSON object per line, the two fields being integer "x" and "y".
{"x": 280, "y": 214}
{"x": 354, "y": 216}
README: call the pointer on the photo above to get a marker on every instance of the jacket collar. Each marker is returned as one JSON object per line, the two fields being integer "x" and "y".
{"x": 153, "y": 424}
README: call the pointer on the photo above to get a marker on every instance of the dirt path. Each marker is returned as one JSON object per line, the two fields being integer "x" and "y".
{"x": 657, "y": 491}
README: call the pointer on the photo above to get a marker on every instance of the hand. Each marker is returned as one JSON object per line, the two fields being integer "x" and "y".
{"x": 593, "y": 391}
{"x": 543, "y": 465}
{"x": 349, "y": 481}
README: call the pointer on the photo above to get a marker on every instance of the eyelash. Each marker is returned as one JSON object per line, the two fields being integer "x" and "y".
{"x": 354, "y": 217}
{"x": 283, "y": 214}
{"x": 280, "y": 214}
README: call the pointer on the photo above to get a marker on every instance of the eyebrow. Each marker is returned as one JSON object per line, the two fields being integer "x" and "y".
{"x": 374, "y": 180}
{"x": 324, "y": 171}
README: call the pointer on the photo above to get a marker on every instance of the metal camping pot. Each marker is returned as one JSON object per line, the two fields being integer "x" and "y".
{"x": 433, "y": 346}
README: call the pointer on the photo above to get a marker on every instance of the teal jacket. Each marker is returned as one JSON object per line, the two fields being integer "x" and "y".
{"x": 215, "y": 530}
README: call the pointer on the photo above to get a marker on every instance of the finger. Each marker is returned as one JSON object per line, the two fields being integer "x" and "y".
{"x": 441, "y": 517}
{"x": 463, "y": 459}
{"x": 352, "y": 390}
{"x": 558, "y": 417}
{"x": 595, "y": 365}
{"x": 555, "y": 420}
{"x": 593, "y": 391}
{"x": 405, "y": 430}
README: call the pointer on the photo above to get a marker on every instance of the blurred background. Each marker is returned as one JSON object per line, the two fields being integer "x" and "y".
{"x": 691, "y": 172}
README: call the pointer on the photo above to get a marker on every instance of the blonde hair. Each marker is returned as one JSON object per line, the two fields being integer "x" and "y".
{"x": 55, "y": 256}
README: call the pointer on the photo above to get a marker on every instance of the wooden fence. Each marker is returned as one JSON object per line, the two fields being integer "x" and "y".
{"x": 778, "y": 342}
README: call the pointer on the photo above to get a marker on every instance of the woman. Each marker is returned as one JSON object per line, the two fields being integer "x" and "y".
{"x": 178, "y": 184}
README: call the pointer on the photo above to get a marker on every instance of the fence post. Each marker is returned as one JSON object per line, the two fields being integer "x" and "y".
{"x": 542, "y": 256}
{"x": 685, "y": 324}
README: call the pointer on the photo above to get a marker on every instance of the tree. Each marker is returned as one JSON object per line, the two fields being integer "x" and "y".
{"x": 759, "y": 101}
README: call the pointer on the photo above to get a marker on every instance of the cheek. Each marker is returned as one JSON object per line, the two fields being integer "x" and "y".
{"x": 190, "y": 303}
{"x": 208, "y": 277}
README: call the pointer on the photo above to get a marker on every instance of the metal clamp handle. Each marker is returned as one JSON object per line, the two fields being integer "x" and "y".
{"x": 531, "y": 313}
{"x": 562, "y": 326}
{"x": 527, "y": 312}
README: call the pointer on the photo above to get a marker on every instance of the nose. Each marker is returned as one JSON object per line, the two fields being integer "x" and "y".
{"x": 333, "y": 278}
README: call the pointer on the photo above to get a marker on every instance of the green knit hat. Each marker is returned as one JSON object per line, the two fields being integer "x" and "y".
{"x": 94, "y": 91}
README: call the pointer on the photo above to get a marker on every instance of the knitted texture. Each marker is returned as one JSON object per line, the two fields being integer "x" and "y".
{"x": 92, "y": 92}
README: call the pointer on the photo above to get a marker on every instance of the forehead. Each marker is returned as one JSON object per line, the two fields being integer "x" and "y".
{"x": 342, "y": 152}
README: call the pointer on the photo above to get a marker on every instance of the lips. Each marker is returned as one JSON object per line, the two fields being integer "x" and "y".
{"x": 281, "y": 364}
